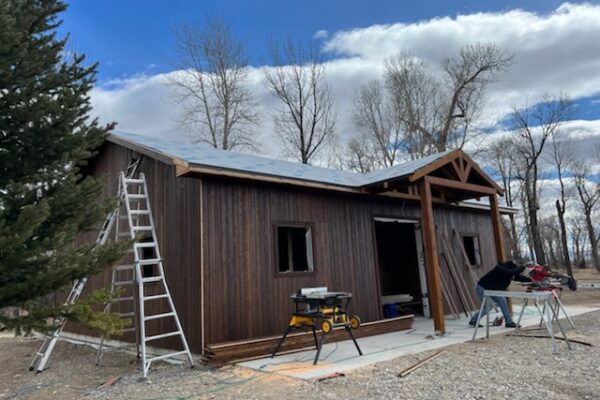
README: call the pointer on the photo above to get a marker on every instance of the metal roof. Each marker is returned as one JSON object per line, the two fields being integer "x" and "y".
{"x": 205, "y": 155}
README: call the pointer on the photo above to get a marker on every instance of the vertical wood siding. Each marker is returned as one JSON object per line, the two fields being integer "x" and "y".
{"x": 244, "y": 296}
{"x": 175, "y": 206}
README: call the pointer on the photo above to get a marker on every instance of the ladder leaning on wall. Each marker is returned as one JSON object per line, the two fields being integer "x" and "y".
{"x": 143, "y": 272}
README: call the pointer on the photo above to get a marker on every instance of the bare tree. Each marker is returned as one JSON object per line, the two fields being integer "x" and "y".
{"x": 436, "y": 112}
{"x": 306, "y": 120}
{"x": 576, "y": 232}
{"x": 533, "y": 127}
{"x": 417, "y": 102}
{"x": 499, "y": 158}
{"x": 550, "y": 234}
{"x": 589, "y": 194}
{"x": 562, "y": 158}
{"x": 375, "y": 117}
{"x": 361, "y": 156}
{"x": 211, "y": 85}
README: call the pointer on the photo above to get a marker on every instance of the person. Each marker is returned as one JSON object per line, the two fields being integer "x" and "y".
{"x": 499, "y": 278}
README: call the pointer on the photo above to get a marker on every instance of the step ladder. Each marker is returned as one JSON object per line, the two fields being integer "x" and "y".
{"x": 145, "y": 273}
{"x": 45, "y": 351}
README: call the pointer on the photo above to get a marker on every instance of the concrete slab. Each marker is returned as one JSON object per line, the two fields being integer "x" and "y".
{"x": 342, "y": 357}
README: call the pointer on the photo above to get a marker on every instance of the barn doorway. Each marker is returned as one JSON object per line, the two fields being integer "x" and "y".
{"x": 403, "y": 284}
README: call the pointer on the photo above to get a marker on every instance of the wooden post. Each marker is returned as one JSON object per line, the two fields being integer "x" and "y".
{"x": 497, "y": 226}
{"x": 498, "y": 238}
{"x": 432, "y": 261}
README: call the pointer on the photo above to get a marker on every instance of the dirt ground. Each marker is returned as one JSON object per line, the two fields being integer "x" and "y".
{"x": 504, "y": 367}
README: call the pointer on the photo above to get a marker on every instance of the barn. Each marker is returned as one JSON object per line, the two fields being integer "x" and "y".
{"x": 239, "y": 233}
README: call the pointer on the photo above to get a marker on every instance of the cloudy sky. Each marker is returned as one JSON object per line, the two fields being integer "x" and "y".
{"x": 556, "y": 48}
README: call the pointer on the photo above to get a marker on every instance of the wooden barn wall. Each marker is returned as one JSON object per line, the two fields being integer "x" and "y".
{"x": 175, "y": 207}
{"x": 245, "y": 296}
{"x": 451, "y": 221}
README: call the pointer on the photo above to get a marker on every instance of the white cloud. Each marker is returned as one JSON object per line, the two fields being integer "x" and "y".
{"x": 555, "y": 52}
{"x": 321, "y": 34}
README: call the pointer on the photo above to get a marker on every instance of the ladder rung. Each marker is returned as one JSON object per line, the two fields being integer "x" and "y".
{"x": 125, "y": 234}
{"x": 127, "y": 314}
{"x": 142, "y": 228}
{"x": 139, "y": 212}
{"x": 144, "y": 244}
{"x": 152, "y": 279}
{"x": 124, "y": 267}
{"x": 136, "y": 196}
{"x": 149, "y": 261}
{"x": 162, "y": 335}
{"x": 123, "y": 283}
{"x": 156, "y": 297}
{"x": 126, "y": 298}
{"x": 133, "y": 180}
{"x": 128, "y": 330}
{"x": 157, "y": 316}
{"x": 170, "y": 355}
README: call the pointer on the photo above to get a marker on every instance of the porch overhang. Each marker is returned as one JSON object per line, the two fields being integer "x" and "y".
{"x": 451, "y": 178}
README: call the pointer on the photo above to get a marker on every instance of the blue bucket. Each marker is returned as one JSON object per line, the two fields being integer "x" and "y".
{"x": 390, "y": 311}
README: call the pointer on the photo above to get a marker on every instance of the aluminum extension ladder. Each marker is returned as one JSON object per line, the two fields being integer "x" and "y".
{"x": 146, "y": 272}
{"x": 45, "y": 351}
{"x": 140, "y": 221}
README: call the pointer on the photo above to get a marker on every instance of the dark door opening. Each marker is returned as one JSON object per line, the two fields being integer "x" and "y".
{"x": 400, "y": 272}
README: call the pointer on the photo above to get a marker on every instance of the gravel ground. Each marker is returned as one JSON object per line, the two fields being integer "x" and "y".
{"x": 502, "y": 367}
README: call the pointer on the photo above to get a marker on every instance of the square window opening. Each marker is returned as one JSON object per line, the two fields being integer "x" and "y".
{"x": 294, "y": 249}
{"x": 471, "y": 245}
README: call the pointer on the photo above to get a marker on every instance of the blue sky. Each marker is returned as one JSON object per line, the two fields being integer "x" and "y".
{"x": 134, "y": 36}
{"x": 555, "y": 44}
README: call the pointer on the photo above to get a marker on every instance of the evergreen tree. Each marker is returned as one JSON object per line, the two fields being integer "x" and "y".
{"x": 46, "y": 136}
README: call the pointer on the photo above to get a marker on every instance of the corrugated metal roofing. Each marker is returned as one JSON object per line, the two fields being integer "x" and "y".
{"x": 205, "y": 155}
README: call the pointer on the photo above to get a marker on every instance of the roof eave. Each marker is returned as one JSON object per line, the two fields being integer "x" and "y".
{"x": 147, "y": 151}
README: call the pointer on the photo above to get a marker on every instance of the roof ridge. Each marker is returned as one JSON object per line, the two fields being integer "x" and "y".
{"x": 205, "y": 155}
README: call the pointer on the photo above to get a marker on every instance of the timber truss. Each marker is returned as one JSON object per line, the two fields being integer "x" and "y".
{"x": 449, "y": 179}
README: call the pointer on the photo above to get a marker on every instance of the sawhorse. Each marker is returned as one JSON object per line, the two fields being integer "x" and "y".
{"x": 558, "y": 307}
{"x": 549, "y": 314}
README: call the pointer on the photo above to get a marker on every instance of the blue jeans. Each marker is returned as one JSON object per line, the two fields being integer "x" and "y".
{"x": 501, "y": 301}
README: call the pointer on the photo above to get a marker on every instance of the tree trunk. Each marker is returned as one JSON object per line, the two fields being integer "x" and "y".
{"x": 563, "y": 237}
{"x": 538, "y": 246}
{"x": 593, "y": 241}
{"x": 516, "y": 250}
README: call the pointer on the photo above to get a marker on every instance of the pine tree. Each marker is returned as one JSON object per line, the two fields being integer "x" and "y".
{"x": 46, "y": 136}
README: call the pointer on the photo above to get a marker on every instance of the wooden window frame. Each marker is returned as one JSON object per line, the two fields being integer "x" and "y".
{"x": 477, "y": 248}
{"x": 293, "y": 224}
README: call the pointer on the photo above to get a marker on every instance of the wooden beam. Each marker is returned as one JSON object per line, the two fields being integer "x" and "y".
{"x": 432, "y": 261}
{"x": 497, "y": 227}
{"x": 467, "y": 171}
{"x": 483, "y": 175}
{"x": 468, "y": 187}
{"x": 440, "y": 162}
{"x": 448, "y": 158}
{"x": 457, "y": 169}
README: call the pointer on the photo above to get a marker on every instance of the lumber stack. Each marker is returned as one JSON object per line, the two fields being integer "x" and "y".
{"x": 223, "y": 353}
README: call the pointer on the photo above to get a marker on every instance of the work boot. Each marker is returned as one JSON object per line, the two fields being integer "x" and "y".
{"x": 512, "y": 325}
{"x": 472, "y": 323}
